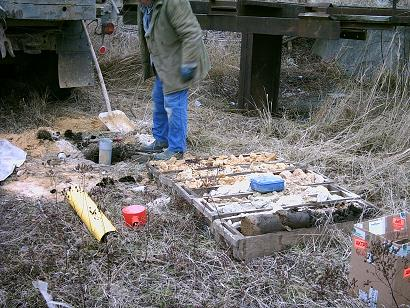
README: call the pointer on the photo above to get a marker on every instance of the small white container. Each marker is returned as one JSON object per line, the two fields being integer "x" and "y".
{"x": 61, "y": 156}
{"x": 105, "y": 151}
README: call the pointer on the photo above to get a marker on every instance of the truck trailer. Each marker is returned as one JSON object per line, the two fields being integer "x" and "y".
{"x": 45, "y": 40}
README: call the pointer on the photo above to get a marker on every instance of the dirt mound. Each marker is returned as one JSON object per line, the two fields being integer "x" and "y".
{"x": 28, "y": 142}
{"x": 82, "y": 123}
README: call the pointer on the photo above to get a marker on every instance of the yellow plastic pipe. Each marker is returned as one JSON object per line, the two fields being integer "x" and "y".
{"x": 97, "y": 223}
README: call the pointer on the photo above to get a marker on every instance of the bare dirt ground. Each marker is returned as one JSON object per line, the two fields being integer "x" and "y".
{"x": 360, "y": 137}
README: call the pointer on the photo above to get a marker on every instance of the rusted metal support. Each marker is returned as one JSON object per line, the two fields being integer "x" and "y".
{"x": 50, "y": 10}
{"x": 271, "y": 25}
{"x": 260, "y": 71}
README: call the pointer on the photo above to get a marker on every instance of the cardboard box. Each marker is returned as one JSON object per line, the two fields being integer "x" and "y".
{"x": 380, "y": 261}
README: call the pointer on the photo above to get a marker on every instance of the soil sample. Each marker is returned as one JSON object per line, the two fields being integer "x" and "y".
{"x": 263, "y": 223}
{"x": 258, "y": 224}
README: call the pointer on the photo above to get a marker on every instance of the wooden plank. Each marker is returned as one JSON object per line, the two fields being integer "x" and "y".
{"x": 339, "y": 10}
{"x": 363, "y": 18}
{"x": 244, "y": 94}
{"x": 260, "y": 70}
{"x": 249, "y": 247}
{"x": 183, "y": 193}
{"x": 267, "y": 244}
{"x": 318, "y": 15}
{"x": 230, "y": 238}
{"x": 238, "y": 195}
{"x": 203, "y": 207}
{"x": 152, "y": 170}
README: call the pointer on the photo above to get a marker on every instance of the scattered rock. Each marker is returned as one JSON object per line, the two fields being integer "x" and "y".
{"x": 139, "y": 188}
{"x": 159, "y": 203}
{"x": 83, "y": 168}
{"x": 145, "y": 139}
{"x": 139, "y": 178}
{"x": 69, "y": 149}
{"x": 21, "y": 172}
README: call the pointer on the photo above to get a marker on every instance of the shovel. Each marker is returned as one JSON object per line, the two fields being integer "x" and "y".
{"x": 115, "y": 120}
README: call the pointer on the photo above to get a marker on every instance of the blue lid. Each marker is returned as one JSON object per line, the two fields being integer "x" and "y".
{"x": 267, "y": 179}
{"x": 267, "y": 183}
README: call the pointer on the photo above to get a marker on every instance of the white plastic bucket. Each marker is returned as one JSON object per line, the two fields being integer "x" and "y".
{"x": 105, "y": 151}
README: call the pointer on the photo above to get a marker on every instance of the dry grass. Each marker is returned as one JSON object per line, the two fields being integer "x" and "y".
{"x": 172, "y": 262}
{"x": 24, "y": 110}
{"x": 361, "y": 138}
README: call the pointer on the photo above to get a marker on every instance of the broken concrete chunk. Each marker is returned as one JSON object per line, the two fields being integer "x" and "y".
{"x": 138, "y": 188}
{"x": 299, "y": 173}
{"x": 320, "y": 192}
{"x": 319, "y": 179}
{"x": 290, "y": 200}
{"x": 286, "y": 174}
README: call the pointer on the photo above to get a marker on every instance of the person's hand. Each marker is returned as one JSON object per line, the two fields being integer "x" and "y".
{"x": 187, "y": 71}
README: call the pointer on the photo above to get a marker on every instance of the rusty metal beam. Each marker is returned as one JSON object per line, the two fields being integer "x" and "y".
{"x": 47, "y": 10}
{"x": 327, "y": 7}
{"x": 273, "y": 26}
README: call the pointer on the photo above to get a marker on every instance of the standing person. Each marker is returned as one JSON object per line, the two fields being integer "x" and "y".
{"x": 172, "y": 49}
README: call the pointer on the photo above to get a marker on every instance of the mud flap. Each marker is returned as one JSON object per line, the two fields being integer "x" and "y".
{"x": 75, "y": 66}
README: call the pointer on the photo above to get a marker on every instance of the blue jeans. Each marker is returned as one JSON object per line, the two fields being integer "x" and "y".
{"x": 170, "y": 117}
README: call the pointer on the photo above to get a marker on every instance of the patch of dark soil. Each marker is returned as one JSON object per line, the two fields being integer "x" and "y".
{"x": 81, "y": 140}
{"x": 105, "y": 182}
{"x": 75, "y": 137}
{"x": 127, "y": 179}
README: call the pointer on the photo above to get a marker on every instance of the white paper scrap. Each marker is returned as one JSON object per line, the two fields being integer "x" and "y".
{"x": 10, "y": 157}
{"x": 377, "y": 226}
{"x": 373, "y": 296}
{"x": 363, "y": 295}
{"x": 359, "y": 225}
{"x": 42, "y": 286}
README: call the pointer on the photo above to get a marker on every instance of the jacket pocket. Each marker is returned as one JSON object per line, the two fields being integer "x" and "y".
{"x": 168, "y": 40}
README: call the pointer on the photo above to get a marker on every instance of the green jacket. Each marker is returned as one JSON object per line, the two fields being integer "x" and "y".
{"x": 175, "y": 39}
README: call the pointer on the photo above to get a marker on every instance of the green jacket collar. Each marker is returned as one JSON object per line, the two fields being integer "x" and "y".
{"x": 156, "y": 5}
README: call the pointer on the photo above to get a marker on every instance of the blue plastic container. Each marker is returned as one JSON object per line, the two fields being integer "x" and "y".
{"x": 267, "y": 183}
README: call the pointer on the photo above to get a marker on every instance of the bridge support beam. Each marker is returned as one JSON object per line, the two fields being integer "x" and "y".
{"x": 260, "y": 71}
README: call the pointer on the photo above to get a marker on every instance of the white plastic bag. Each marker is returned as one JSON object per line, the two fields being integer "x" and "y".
{"x": 42, "y": 286}
{"x": 10, "y": 157}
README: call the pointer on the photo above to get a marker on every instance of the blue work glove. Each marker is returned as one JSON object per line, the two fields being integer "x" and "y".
{"x": 187, "y": 71}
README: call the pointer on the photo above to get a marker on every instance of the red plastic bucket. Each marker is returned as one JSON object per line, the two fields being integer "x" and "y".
{"x": 135, "y": 215}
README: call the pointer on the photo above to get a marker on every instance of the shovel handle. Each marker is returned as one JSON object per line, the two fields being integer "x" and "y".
{"x": 97, "y": 67}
